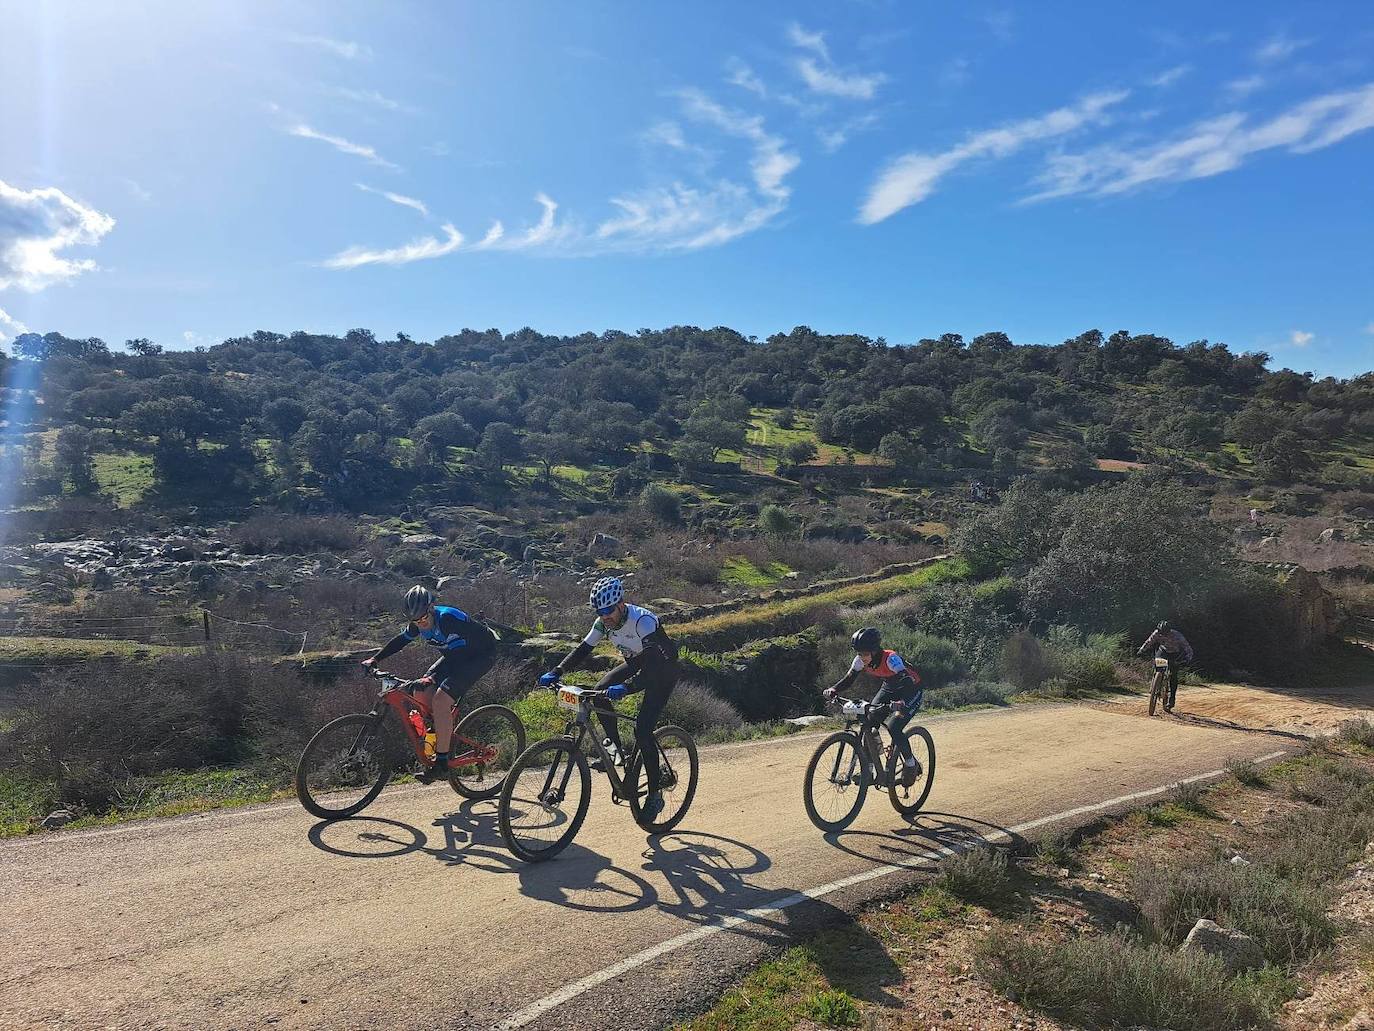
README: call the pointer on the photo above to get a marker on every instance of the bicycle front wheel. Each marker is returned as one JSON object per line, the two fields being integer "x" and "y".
{"x": 1156, "y": 691}
{"x": 344, "y": 767}
{"x": 485, "y": 745}
{"x": 544, "y": 799}
{"x": 677, "y": 779}
{"x": 836, "y": 782}
{"x": 907, "y": 799}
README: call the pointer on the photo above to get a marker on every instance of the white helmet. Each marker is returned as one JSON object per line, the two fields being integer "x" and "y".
{"x": 606, "y": 592}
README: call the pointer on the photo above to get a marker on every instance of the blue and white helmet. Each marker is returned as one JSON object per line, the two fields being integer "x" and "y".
{"x": 606, "y": 592}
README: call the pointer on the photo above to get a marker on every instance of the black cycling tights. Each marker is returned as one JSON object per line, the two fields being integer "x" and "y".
{"x": 656, "y": 678}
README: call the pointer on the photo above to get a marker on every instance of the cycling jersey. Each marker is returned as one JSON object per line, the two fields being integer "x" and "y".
{"x": 1170, "y": 644}
{"x": 452, "y": 631}
{"x": 631, "y": 637}
{"x": 898, "y": 680}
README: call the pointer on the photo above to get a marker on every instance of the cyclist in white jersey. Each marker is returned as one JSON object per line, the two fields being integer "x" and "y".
{"x": 650, "y": 666}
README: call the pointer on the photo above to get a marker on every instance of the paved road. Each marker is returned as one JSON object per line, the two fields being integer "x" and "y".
{"x": 264, "y": 917}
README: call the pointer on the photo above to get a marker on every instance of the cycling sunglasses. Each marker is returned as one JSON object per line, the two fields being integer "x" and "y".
{"x": 606, "y": 610}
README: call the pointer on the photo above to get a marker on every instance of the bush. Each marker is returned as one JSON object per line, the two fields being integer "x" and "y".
{"x": 1247, "y": 773}
{"x": 833, "y": 1008}
{"x": 661, "y": 503}
{"x": 776, "y": 521}
{"x": 979, "y": 875}
{"x": 1115, "y": 980}
{"x": 1024, "y": 662}
{"x": 1057, "y": 850}
{"x": 1357, "y": 732}
{"x": 699, "y": 710}
{"x": 296, "y": 535}
{"x": 976, "y": 621}
{"x": 978, "y": 692}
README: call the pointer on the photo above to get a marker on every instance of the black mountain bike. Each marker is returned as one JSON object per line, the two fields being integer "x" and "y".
{"x": 547, "y": 791}
{"x": 848, "y": 761}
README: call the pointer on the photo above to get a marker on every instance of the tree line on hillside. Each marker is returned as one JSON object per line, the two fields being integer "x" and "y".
{"x": 345, "y": 419}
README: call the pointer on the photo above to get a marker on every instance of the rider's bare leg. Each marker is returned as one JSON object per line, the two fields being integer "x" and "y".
{"x": 443, "y": 720}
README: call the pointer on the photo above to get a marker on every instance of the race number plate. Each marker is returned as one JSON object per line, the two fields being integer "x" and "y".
{"x": 569, "y": 697}
{"x": 1161, "y": 663}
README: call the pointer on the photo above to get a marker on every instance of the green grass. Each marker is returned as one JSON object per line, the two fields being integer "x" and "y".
{"x": 62, "y": 649}
{"x": 739, "y": 570}
{"x": 124, "y": 475}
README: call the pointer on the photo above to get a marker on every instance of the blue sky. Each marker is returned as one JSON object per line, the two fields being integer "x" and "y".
{"x": 190, "y": 172}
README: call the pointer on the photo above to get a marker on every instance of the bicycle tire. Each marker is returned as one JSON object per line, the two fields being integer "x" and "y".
{"x": 923, "y": 786}
{"x": 670, "y": 820}
{"x": 843, "y": 739}
{"x": 1155, "y": 691}
{"x": 515, "y": 730}
{"x": 369, "y": 729}
{"x": 546, "y": 752}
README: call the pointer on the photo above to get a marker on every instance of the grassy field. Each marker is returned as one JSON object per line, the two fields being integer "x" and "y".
{"x": 124, "y": 475}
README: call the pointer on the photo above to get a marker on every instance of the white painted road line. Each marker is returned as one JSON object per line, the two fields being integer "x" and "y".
{"x": 535, "y": 1010}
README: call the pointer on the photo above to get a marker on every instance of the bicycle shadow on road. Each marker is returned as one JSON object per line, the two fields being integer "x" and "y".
{"x": 927, "y": 838}
{"x": 708, "y": 874}
{"x": 578, "y": 879}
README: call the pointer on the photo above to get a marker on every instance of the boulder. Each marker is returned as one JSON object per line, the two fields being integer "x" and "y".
{"x": 57, "y": 818}
{"x": 1331, "y": 533}
{"x": 603, "y": 545}
{"x": 445, "y": 583}
{"x": 1237, "y": 950}
{"x": 422, "y": 540}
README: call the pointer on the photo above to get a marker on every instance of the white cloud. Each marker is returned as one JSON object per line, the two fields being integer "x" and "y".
{"x": 741, "y": 75}
{"x": 417, "y": 250}
{"x": 397, "y": 198}
{"x": 10, "y": 326}
{"x": 832, "y": 139}
{"x": 1370, "y": 329}
{"x": 346, "y": 49}
{"x": 1170, "y": 76}
{"x": 1279, "y": 47}
{"x": 666, "y": 134}
{"x": 1209, "y": 148}
{"x": 820, "y": 74}
{"x": 1000, "y": 23}
{"x": 813, "y": 41}
{"x": 34, "y": 226}
{"x": 342, "y": 145}
{"x": 1243, "y": 87}
{"x": 370, "y": 97}
{"x": 1300, "y": 338}
{"x": 770, "y": 164}
{"x": 912, "y": 177}
{"x": 835, "y": 84}
{"x": 439, "y": 149}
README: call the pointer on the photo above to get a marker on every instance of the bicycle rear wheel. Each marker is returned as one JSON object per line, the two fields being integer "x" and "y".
{"x": 836, "y": 782}
{"x": 485, "y": 745}
{"x": 677, "y": 764}
{"x": 908, "y": 800}
{"x": 544, "y": 799}
{"x": 345, "y": 766}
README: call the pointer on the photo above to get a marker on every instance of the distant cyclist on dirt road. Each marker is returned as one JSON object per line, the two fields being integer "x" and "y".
{"x": 469, "y": 650}
{"x": 1169, "y": 644}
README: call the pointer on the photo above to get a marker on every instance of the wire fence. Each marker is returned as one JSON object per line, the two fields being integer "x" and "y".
{"x": 200, "y": 627}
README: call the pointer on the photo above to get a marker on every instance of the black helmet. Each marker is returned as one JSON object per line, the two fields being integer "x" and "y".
{"x": 867, "y": 640}
{"x": 1163, "y": 627}
{"x": 418, "y": 601}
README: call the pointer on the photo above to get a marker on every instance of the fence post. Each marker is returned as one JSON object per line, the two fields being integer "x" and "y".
{"x": 205, "y": 616}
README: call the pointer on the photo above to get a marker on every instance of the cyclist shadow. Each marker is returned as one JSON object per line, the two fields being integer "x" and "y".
{"x": 707, "y": 874}
{"x": 468, "y": 836}
{"x": 927, "y": 838}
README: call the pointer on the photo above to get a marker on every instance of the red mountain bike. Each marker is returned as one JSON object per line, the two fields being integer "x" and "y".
{"x": 350, "y": 759}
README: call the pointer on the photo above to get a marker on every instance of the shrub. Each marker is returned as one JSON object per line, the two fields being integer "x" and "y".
{"x": 776, "y": 521}
{"x": 698, "y": 709}
{"x": 1115, "y": 980}
{"x": 1023, "y": 661}
{"x": 1057, "y": 850}
{"x": 661, "y": 503}
{"x": 1247, "y": 773}
{"x": 296, "y": 535}
{"x": 1187, "y": 795}
{"x": 833, "y": 1008}
{"x": 978, "y": 692}
{"x": 979, "y": 875}
{"x": 1357, "y": 732}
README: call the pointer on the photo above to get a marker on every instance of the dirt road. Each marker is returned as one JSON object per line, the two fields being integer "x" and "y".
{"x": 264, "y": 917}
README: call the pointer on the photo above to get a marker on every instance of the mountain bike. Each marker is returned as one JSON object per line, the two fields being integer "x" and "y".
{"x": 548, "y": 790}
{"x": 1159, "y": 686}
{"x": 849, "y": 760}
{"x": 350, "y": 759}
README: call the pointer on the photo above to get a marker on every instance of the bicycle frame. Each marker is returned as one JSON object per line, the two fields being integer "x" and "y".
{"x": 398, "y": 695}
{"x": 870, "y": 736}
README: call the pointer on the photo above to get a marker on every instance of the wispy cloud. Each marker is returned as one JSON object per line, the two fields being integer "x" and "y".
{"x": 35, "y": 225}
{"x": 1243, "y": 87}
{"x": 1000, "y": 24}
{"x": 10, "y": 326}
{"x": 912, "y": 177}
{"x": 1209, "y": 148}
{"x": 342, "y": 145}
{"x": 369, "y": 97}
{"x": 344, "y": 48}
{"x": 396, "y": 198}
{"x": 832, "y": 139}
{"x": 820, "y": 73}
{"x": 420, "y": 249}
{"x": 1279, "y": 47}
{"x": 740, "y": 74}
{"x": 1370, "y": 329}
{"x": 955, "y": 73}
{"x": 1170, "y": 76}
{"x": 666, "y": 134}
{"x": 1300, "y": 338}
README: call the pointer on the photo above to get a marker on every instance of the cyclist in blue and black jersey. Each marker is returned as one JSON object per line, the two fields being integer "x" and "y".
{"x": 469, "y": 650}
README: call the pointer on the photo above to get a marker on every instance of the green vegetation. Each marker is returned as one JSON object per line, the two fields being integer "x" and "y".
{"x": 741, "y": 571}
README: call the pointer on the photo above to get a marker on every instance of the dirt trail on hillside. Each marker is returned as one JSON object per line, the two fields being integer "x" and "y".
{"x": 1280, "y": 711}
{"x": 266, "y": 918}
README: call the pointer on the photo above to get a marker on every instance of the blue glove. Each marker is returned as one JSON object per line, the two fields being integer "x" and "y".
{"x": 549, "y": 679}
{"x": 616, "y": 692}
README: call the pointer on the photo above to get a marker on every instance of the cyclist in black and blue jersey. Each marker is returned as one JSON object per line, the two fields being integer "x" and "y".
{"x": 469, "y": 650}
